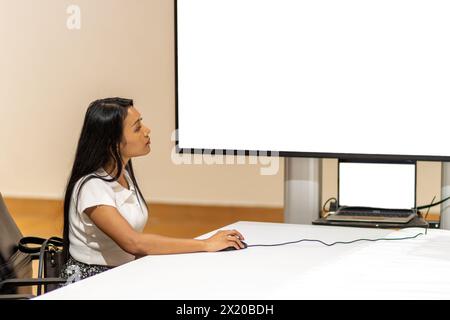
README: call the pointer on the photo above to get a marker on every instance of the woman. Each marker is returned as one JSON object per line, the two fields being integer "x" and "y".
{"x": 104, "y": 210}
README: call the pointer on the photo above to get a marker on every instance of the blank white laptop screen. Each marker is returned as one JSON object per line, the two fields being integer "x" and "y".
{"x": 379, "y": 185}
{"x": 280, "y": 75}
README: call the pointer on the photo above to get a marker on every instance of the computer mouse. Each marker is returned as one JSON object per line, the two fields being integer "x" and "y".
{"x": 233, "y": 248}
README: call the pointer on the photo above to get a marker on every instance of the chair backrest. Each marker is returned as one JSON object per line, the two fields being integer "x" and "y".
{"x": 9, "y": 232}
{"x": 13, "y": 263}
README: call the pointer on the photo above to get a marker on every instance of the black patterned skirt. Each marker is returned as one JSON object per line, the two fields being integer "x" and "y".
{"x": 74, "y": 271}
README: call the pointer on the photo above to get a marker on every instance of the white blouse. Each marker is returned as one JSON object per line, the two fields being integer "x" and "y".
{"x": 88, "y": 244}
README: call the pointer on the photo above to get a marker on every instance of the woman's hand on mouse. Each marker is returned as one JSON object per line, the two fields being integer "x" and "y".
{"x": 223, "y": 239}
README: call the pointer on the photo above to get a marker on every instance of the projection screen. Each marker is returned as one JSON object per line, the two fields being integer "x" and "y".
{"x": 322, "y": 78}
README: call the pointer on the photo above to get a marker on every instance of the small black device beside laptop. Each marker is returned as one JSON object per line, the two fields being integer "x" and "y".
{"x": 375, "y": 192}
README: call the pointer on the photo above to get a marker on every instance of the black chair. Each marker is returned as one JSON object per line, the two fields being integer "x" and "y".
{"x": 16, "y": 261}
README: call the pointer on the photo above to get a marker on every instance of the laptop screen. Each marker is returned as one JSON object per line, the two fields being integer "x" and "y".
{"x": 379, "y": 185}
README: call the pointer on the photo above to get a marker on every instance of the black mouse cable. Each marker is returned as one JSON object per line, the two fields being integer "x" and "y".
{"x": 432, "y": 204}
{"x": 332, "y": 244}
{"x": 428, "y": 206}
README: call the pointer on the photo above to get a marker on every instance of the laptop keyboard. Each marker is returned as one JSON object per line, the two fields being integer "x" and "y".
{"x": 375, "y": 213}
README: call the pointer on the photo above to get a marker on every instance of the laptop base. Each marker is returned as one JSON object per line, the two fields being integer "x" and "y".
{"x": 416, "y": 222}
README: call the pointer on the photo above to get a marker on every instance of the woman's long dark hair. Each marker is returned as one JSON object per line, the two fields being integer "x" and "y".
{"x": 98, "y": 145}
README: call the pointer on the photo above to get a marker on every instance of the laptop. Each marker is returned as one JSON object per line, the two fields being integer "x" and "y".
{"x": 376, "y": 192}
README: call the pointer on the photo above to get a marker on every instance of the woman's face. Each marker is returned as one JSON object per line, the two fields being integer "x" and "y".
{"x": 136, "y": 136}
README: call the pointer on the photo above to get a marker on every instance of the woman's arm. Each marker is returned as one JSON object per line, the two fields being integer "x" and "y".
{"x": 111, "y": 222}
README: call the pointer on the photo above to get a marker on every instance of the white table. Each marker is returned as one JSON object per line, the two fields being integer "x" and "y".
{"x": 408, "y": 269}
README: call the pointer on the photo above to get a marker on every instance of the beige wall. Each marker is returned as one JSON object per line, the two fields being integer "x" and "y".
{"x": 49, "y": 74}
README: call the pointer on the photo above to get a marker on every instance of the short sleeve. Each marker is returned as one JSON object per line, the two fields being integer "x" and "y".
{"x": 95, "y": 192}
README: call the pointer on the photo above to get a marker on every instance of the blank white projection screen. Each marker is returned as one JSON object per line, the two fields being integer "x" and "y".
{"x": 322, "y": 76}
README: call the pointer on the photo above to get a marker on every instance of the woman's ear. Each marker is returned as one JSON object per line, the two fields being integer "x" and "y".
{"x": 119, "y": 150}
{"x": 123, "y": 142}
{"x": 121, "y": 146}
